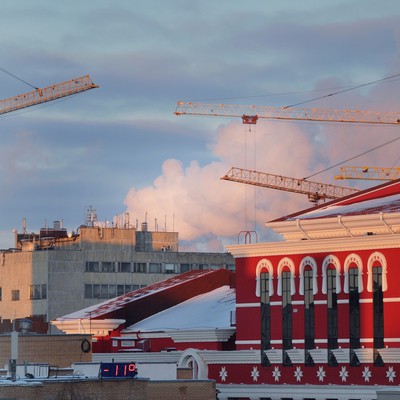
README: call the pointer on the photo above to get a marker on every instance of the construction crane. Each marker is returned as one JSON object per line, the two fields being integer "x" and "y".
{"x": 46, "y": 94}
{"x": 368, "y": 173}
{"x": 314, "y": 190}
{"x": 250, "y": 113}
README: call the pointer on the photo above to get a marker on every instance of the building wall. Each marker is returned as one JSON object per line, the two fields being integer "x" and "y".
{"x": 111, "y": 389}
{"x": 364, "y": 253}
{"x": 56, "y": 350}
{"x": 58, "y": 269}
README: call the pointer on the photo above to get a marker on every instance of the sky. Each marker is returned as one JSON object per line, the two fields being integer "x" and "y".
{"x": 121, "y": 150}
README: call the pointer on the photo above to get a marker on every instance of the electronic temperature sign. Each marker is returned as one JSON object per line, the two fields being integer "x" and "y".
{"x": 118, "y": 370}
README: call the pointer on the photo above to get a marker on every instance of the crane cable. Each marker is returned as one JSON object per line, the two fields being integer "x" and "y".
{"x": 343, "y": 91}
{"x": 18, "y": 78}
{"x": 352, "y": 158}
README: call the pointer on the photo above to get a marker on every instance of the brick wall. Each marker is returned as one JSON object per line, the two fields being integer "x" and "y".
{"x": 56, "y": 350}
{"x": 131, "y": 389}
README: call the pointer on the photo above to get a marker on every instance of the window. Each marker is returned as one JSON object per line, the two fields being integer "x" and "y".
{"x": 127, "y": 343}
{"x": 107, "y": 266}
{"x": 1, "y": 294}
{"x": 286, "y": 315}
{"x": 332, "y": 316}
{"x": 14, "y": 295}
{"x": 155, "y": 268}
{"x": 265, "y": 315}
{"x": 377, "y": 313}
{"x": 354, "y": 314}
{"x": 92, "y": 266}
{"x": 309, "y": 330}
{"x": 88, "y": 292}
{"x": 112, "y": 291}
{"x": 185, "y": 268}
{"x": 37, "y": 292}
{"x": 139, "y": 267}
{"x": 124, "y": 267}
{"x": 104, "y": 291}
{"x": 95, "y": 291}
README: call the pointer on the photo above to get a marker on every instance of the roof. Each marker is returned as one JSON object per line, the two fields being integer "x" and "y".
{"x": 152, "y": 299}
{"x": 384, "y": 198}
{"x": 211, "y": 310}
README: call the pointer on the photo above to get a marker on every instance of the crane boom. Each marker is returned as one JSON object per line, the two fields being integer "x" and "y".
{"x": 252, "y": 113}
{"x": 315, "y": 191}
{"x": 46, "y": 94}
{"x": 368, "y": 173}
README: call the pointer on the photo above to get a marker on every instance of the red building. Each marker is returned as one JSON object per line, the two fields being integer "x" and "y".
{"x": 315, "y": 312}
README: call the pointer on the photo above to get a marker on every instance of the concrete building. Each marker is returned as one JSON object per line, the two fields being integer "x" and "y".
{"x": 53, "y": 273}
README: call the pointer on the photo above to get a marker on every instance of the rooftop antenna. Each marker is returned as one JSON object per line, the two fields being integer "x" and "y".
{"x": 24, "y": 225}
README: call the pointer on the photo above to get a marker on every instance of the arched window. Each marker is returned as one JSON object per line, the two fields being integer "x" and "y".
{"x": 264, "y": 289}
{"x": 329, "y": 261}
{"x": 377, "y": 284}
{"x": 288, "y": 263}
{"x": 263, "y": 265}
{"x": 354, "y": 260}
{"x": 308, "y": 262}
{"x": 376, "y": 258}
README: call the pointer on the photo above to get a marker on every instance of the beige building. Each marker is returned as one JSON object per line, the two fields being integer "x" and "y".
{"x": 53, "y": 273}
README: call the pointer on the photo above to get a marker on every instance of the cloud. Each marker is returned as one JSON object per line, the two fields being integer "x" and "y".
{"x": 214, "y": 212}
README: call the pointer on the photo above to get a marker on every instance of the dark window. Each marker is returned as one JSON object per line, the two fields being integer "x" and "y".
{"x": 378, "y": 312}
{"x": 88, "y": 292}
{"x": 185, "y": 268}
{"x": 139, "y": 267}
{"x": 14, "y": 295}
{"x": 120, "y": 290}
{"x": 309, "y": 330}
{"x": 265, "y": 316}
{"x": 1, "y": 294}
{"x": 155, "y": 268}
{"x": 286, "y": 311}
{"x": 107, "y": 266}
{"x": 124, "y": 267}
{"x": 354, "y": 314}
{"x": 128, "y": 288}
{"x": 37, "y": 292}
{"x": 92, "y": 266}
{"x": 96, "y": 291}
{"x": 332, "y": 309}
{"x": 112, "y": 291}
{"x": 44, "y": 291}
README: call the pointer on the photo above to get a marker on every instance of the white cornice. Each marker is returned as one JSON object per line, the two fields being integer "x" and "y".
{"x": 96, "y": 327}
{"x": 316, "y": 246}
{"x": 337, "y": 226}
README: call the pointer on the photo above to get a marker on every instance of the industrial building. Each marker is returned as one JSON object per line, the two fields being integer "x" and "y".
{"x": 54, "y": 272}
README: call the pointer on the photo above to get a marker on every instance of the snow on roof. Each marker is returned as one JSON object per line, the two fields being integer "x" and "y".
{"x": 209, "y": 310}
{"x": 119, "y": 302}
{"x": 384, "y": 198}
{"x": 375, "y": 206}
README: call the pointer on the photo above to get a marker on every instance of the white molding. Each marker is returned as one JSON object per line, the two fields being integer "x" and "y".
{"x": 202, "y": 335}
{"x": 330, "y": 245}
{"x": 97, "y": 327}
{"x": 247, "y": 305}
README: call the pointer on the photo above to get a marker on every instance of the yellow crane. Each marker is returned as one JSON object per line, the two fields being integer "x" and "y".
{"x": 49, "y": 93}
{"x": 368, "y": 173}
{"x": 250, "y": 113}
{"x": 315, "y": 191}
